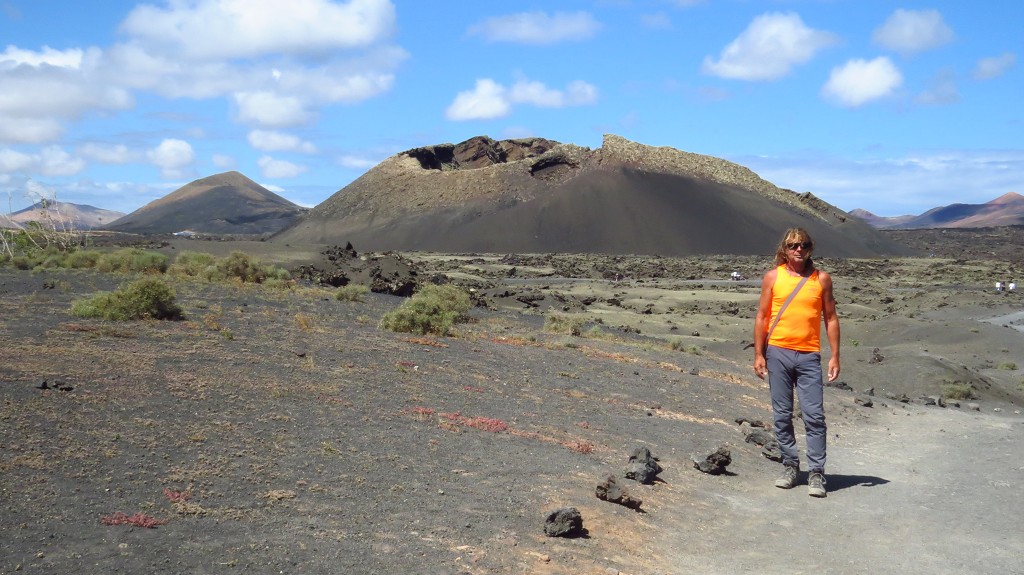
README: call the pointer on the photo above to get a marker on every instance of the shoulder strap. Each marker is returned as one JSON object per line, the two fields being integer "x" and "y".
{"x": 785, "y": 304}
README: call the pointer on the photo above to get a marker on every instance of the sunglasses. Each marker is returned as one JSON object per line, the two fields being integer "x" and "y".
{"x": 804, "y": 245}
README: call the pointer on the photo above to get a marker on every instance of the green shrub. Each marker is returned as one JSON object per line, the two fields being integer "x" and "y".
{"x": 51, "y": 262}
{"x": 596, "y": 332}
{"x": 1008, "y": 366}
{"x": 564, "y": 323}
{"x": 82, "y": 259}
{"x": 957, "y": 391}
{"x": 245, "y": 268}
{"x": 141, "y": 299}
{"x": 23, "y": 262}
{"x": 351, "y": 292}
{"x": 132, "y": 260}
{"x": 433, "y": 309}
{"x": 192, "y": 264}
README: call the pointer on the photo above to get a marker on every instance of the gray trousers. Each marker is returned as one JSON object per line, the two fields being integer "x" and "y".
{"x": 789, "y": 369}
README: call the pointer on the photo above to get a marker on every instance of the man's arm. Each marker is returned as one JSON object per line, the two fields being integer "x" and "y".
{"x": 828, "y": 310}
{"x": 764, "y": 312}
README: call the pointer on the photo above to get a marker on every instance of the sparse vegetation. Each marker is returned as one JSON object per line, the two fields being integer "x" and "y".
{"x": 564, "y": 324}
{"x": 82, "y": 259}
{"x": 434, "y": 309}
{"x": 193, "y": 264}
{"x": 136, "y": 519}
{"x": 132, "y": 260}
{"x": 679, "y": 345}
{"x": 1008, "y": 366}
{"x": 957, "y": 391}
{"x": 304, "y": 321}
{"x": 142, "y": 299}
{"x": 245, "y": 268}
{"x": 351, "y": 292}
{"x": 52, "y": 230}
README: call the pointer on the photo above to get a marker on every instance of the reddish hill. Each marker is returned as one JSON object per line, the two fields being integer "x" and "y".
{"x": 62, "y": 214}
{"x": 1006, "y": 210}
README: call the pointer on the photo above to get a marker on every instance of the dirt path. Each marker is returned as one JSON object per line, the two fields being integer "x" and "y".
{"x": 916, "y": 491}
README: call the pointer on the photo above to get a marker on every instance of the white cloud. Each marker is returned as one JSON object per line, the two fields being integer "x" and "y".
{"x": 340, "y": 83}
{"x": 486, "y": 101}
{"x": 172, "y": 157}
{"x": 490, "y": 100}
{"x": 279, "y": 64}
{"x": 224, "y": 161}
{"x": 357, "y": 162}
{"x": 269, "y": 109}
{"x": 54, "y": 161}
{"x": 13, "y": 161}
{"x": 49, "y": 161}
{"x": 29, "y": 130}
{"x": 71, "y": 58}
{"x": 859, "y": 81}
{"x": 769, "y": 48}
{"x": 536, "y": 93}
{"x": 272, "y": 141}
{"x": 42, "y": 89}
{"x": 908, "y": 32}
{"x": 271, "y": 168}
{"x": 228, "y": 29}
{"x": 988, "y": 68}
{"x": 537, "y": 28}
{"x": 107, "y": 153}
{"x": 907, "y": 185}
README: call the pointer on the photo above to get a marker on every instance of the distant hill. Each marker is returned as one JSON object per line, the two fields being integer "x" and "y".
{"x": 1006, "y": 210}
{"x": 540, "y": 196}
{"x": 64, "y": 215}
{"x": 222, "y": 204}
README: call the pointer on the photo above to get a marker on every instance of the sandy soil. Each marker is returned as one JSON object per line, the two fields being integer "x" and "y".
{"x": 283, "y": 432}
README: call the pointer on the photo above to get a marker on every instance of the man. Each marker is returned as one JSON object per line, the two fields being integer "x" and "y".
{"x": 787, "y": 348}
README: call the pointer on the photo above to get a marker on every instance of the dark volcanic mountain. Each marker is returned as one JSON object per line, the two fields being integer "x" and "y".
{"x": 62, "y": 215}
{"x": 227, "y": 203}
{"x": 540, "y": 196}
{"x": 1006, "y": 210}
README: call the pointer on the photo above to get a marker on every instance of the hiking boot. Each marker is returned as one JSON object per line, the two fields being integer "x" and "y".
{"x": 816, "y": 484}
{"x": 788, "y": 478}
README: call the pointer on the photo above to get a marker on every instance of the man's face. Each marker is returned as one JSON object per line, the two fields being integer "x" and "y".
{"x": 798, "y": 250}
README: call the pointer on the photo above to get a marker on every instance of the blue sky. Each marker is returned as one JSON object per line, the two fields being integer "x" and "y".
{"x": 891, "y": 107}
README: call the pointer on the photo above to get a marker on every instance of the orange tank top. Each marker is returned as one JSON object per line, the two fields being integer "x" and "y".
{"x": 800, "y": 326}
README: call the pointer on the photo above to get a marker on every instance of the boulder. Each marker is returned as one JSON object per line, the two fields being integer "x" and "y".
{"x": 713, "y": 463}
{"x": 564, "y": 522}
{"x": 643, "y": 466}
{"x": 609, "y": 490}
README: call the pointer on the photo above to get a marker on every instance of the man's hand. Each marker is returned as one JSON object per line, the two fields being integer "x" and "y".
{"x": 761, "y": 367}
{"x": 833, "y": 369}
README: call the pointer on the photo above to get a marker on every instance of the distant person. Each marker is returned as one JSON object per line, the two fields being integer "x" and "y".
{"x": 1011, "y": 286}
{"x": 795, "y": 296}
{"x": 999, "y": 286}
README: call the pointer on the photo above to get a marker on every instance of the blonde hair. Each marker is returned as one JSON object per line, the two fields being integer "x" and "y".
{"x": 793, "y": 235}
